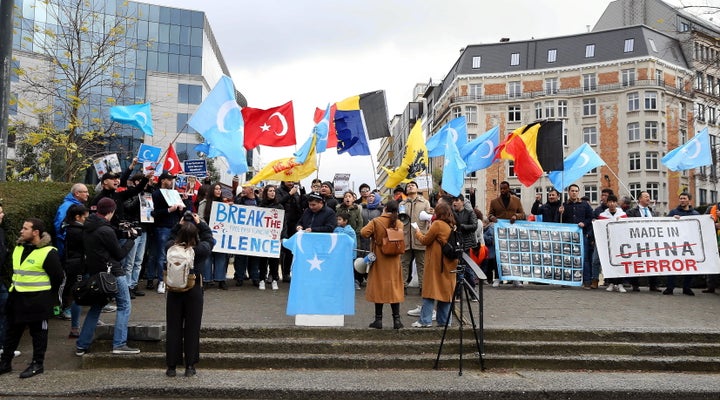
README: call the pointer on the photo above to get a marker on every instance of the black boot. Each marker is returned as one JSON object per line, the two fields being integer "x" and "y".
{"x": 377, "y": 324}
{"x": 397, "y": 324}
{"x": 33, "y": 369}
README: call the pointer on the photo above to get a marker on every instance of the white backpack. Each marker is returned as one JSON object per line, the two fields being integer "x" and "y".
{"x": 180, "y": 260}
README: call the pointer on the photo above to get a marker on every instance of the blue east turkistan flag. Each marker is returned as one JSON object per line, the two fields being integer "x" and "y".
{"x": 583, "y": 160}
{"x": 693, "y": 154}
{"x": 453, "y": 176}
{"x": 479, "y": 153}
{"x": 456, "y": 129}
{"x": 137, "y": 115}
{"x": 322, "y": 274}
{"x": 149, "y": 153}
{"x": 321, "y": 130}
{"x": 219, "y": 120}
{"x": 351, "y": 133}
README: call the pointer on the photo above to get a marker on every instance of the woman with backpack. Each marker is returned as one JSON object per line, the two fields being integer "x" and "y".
{"x": 184, "y": 309}
{"x": 385, "y": 279}
{"x": 438, "y": 278}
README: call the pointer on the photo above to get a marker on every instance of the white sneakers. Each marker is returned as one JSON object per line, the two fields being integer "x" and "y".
{"x": 610, "y": 287}
{"x": 274, "y": 285}
{"x": 415, "y": 312}
{"x": 17, "y": 353}
{"x": 496, "y": 283}
{"x": 417, "y": 324}
{"x": 161, "y": 287}
{"x": 616, "y": 287}
{"x": 261, "y": 286}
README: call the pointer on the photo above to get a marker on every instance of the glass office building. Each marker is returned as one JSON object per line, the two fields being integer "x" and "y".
{"x": 165, "y": 56}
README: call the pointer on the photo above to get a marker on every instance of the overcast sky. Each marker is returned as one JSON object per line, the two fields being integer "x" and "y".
{"x": 319, "y": 51}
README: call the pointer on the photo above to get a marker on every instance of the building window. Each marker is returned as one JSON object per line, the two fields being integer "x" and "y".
{"x": 651, "y": 160}
{"x": 511, "y": 168}
{"x": 629, "y": 45}
{"x": 189, "y": 94}
{"x": 659, "y": 77}
{"x": 652, "y": 45}
{"x": 475, "y": 90}
{"x": 476, "y": 62}
{"x": 549, "y": 109}
{"x": 634, "y": 160}
{"x": 565, "y": 137}
{"x": 591, "y": 191}
{"x": 471, "y": 114}
{"x": 712, "y": 115}
{"x": 456, "y": 112}
{"x": 680, "y": 82}
{"x": 515, "y": 59}
{"x": 635, "y": 190}
{"x": 711, "y": 85}
{"x": 589, "y": 82}
{"x": 701, "y": 112}
{"x": 589, "y": 50}
{"x": 651, "y": 100}
{"x": 562, "y": 108}
{"x": 653, "y": 189}
{"x": 651, "y": 130}
{"x": 702, "y": 196}
{"x": 628, "y": 77}
{"x": 683, "y": 111}
{"x": 514, "y": 113}
{"x": 181, "y": 125}
{"x": 633, "y": 101}
{"x": 700, "y": 81}
{"x": 514, "y": 89}
{"x": 683, "y": 136}
{"x": 590, "y": 135}
{"x": 14, "y": 67}
{"x": 633, "y": 131}
{"x": 552, "y": 55}
{"x": 551, "y": 86}
{"x": 589, "y": 107}
{"x": 538, "y": 110}
{"x": 684, "y": 27}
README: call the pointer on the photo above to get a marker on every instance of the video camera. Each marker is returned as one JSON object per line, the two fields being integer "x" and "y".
{"x": 188, "y": 216}
{"x": 130, "y": 229}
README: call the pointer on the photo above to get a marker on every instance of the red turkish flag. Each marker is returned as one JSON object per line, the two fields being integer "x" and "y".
{"x": 273, "y": 127}
{"x": 172, "y": 162}
{"x": 332, "y": 134}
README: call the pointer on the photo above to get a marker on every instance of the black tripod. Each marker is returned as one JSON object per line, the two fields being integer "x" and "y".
{"x": 463, "y": 288}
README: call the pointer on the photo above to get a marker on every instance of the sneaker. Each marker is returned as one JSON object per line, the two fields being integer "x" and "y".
{"x": 610, "y": 287}
{"x": 125, "y": 350}
{"x": 357, "y": 285}
{"x": 519, "y": 284}
{"x": 161, "y": 288}
{"x": 80, "y": 352}
{"x": 261, "y": 285}
{"x": 74, "y": 333}
{"x": 496, "y": 283}
{"x": 415, "y": 312}
{"x": 100, "y": 323}
{"x": 17, "y": 353}
{"x": 137, "y": 292}
{"x": 418, "y": 324}
{"x": 274, "y": 285}
{"x": 66, "y": 315}
{"x": 109, "y": 308}
{"x": 620, "y": 288}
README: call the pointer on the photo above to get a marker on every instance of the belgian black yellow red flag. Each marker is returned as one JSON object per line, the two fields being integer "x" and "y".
{"x": 534, "y": 148}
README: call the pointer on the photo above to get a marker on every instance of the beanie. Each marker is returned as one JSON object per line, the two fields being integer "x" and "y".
{"x": 105, "y": 206}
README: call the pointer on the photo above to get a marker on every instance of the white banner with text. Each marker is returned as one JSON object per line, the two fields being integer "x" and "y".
{"x": 248, "y": 230}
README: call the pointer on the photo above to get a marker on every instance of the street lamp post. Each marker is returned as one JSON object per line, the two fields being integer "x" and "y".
{"x": 6, "y": 37}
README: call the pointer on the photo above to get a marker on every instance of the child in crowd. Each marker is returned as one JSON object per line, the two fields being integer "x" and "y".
{"x": 343, "y": 220}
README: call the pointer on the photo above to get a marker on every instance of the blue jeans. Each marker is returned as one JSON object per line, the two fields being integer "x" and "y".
{"x": 122, "y": 316}
{"x": 132, "y": 263}
{"x": 443, "y": 312}
{"x": 161, "y": 237}
{"x": 215, "y": 267}
{"x": 3, "y": 314}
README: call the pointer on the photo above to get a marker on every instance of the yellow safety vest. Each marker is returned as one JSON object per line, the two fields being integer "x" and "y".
{"x": 29, "y": 276}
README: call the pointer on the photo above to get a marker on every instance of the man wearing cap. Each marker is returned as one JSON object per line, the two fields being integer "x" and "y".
{"x": 166, "y": 217}
{"x": 110, "y": 182}
{"x": 318, "y": 217}
{"x": 102, "y": 248}
{"x": 327, "y": 191}
{"x": 37, "y": 275}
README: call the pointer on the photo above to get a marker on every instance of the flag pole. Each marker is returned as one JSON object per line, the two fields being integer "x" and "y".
{"x": 621, "y": 182}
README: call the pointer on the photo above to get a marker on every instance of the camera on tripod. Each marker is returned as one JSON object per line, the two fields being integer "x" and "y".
{"x": 129, "y": 229}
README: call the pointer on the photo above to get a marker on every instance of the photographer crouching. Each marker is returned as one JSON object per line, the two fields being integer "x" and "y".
{"x": 103, "y": 250}
{"x": 191, "y": 237}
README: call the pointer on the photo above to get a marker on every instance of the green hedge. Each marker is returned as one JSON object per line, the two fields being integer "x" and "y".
{"x": 23, "y": 200}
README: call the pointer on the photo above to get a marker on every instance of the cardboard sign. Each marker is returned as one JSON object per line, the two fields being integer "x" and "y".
{"x": 239, "y": 229}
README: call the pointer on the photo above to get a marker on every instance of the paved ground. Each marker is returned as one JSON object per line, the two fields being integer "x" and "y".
{"x": 533, "y": 306}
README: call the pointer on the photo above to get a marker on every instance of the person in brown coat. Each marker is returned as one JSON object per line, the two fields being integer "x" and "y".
{"x": 438, "y": 276}
{"x": 385, "y": 279}
{"x": 506, "y": 206}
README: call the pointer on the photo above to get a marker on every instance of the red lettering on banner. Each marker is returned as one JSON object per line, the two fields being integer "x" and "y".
{"x": 641, "y": 267}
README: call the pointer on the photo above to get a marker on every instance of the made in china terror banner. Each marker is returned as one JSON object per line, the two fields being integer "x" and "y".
{"x": 657, "y": 246}
{"x": 544, "y": 252}
{"x": 248, "y": 230}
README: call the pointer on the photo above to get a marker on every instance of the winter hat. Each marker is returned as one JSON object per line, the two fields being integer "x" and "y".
{"x": 105, "y": 206}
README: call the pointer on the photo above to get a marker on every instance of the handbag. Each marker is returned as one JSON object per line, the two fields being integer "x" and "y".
{"x": 97, "y": 289}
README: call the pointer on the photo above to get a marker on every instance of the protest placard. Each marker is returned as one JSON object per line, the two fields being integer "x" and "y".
{"x": 239, "y": 229}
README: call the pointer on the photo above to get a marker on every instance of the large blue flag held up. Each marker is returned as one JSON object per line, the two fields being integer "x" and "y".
{"x": 322, "y": 268}
{"x": 479, "y": 153}
{"x": 583, "y": 160}
{"x": 456, "y": 129}
{"x": 219, "y": 121}
{"x": 453, "y": 176}
{"x": 137, "y": 115}
{"x": 693, "y": 154}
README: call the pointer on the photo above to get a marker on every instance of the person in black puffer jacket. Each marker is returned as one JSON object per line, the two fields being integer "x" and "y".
{"x": 73, "y": 260}
{"x": 102, "y": 249}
